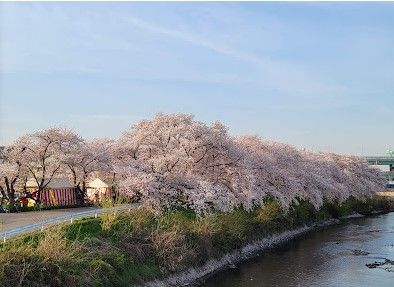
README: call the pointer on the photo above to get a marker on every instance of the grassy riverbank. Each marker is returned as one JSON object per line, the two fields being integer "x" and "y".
{"x": 130, "y": 248}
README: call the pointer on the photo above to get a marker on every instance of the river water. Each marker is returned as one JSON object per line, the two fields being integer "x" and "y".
{"x": 335, "y": 256}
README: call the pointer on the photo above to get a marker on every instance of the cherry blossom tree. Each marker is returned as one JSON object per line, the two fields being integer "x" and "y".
{"x": 89, "y": 157}
{"x": 173, "y": 160}
{"x": 271, "y": 166}
{"x": 292, "y": 173}
{"x": 44, "y": 153}
{"x": 12, "y": 173}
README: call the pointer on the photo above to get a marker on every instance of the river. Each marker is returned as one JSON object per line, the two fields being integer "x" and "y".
{"x": 335, "y": 256}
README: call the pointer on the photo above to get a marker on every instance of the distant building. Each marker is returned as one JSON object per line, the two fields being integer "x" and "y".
{"x": 97, "y": 190}
{"x": 58, "y": 192}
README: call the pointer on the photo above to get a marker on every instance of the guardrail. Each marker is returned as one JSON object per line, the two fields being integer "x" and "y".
{"x": 6, "y": 234}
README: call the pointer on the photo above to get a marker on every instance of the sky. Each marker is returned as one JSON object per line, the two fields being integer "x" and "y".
{"x": 315, "y": 75}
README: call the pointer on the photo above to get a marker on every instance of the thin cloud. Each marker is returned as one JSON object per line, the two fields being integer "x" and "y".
{"x": 283, "y": 76}
{"x": 179, "y": 35}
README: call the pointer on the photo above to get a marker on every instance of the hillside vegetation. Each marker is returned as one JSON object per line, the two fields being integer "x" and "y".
{"x": 131, "y": 248}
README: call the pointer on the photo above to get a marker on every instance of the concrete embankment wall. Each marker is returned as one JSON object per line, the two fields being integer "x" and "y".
{"x": 195, "y": 274}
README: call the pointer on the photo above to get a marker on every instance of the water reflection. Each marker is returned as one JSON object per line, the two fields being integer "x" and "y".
{"x": 331, "y": 257}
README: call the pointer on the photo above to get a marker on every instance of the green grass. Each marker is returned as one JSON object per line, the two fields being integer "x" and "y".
{"x": 132, "y": 247}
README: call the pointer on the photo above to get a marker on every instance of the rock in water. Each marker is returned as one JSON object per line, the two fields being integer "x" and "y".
{"x": 358, "y": 252}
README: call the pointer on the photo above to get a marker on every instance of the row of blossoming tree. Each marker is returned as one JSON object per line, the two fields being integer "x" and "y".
{"x": 45, "y": 155}
{"x": 174, "y": 160}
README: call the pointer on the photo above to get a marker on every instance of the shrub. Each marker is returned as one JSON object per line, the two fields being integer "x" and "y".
{"x": 46, "y": 264}
{"x": 171, "y": 249}
{"x": 233, "y": 229}
{"x": 83, "y": 228}
{"x": 270, "y": 212}
{"x": 301, "y": 213}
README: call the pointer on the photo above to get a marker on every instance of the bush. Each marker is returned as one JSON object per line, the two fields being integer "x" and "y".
{"x": 43, "y": 263}
{"x": 83, "y": 228}
{"x": 171, "y": 249}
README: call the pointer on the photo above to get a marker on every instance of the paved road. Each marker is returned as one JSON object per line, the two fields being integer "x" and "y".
{"x": 12, "y": 224}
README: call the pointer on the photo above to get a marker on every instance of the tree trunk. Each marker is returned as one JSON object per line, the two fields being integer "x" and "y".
{"x": 3, "y": 196}
{"x": 11, "y": 198}
{"x": 83, "y": 191}
{"x": 114, "y": 194}
{"x": 74, "y": 176}
{"x": 80, "y": 195}
{"x": 38, "y": 196}
{"x": 10, "y": 194}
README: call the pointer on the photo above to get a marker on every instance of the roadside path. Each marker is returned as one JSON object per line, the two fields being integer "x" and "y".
{"x": 12, "y": 224}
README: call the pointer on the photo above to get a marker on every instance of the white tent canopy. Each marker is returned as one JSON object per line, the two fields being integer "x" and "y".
{"x": 97, "y": 183}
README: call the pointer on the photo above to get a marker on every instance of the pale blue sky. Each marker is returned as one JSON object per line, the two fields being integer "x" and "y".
{"x": 313, "y": 75}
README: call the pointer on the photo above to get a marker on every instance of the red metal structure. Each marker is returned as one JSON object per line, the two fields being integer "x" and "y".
{"x": 59, "y": 197}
